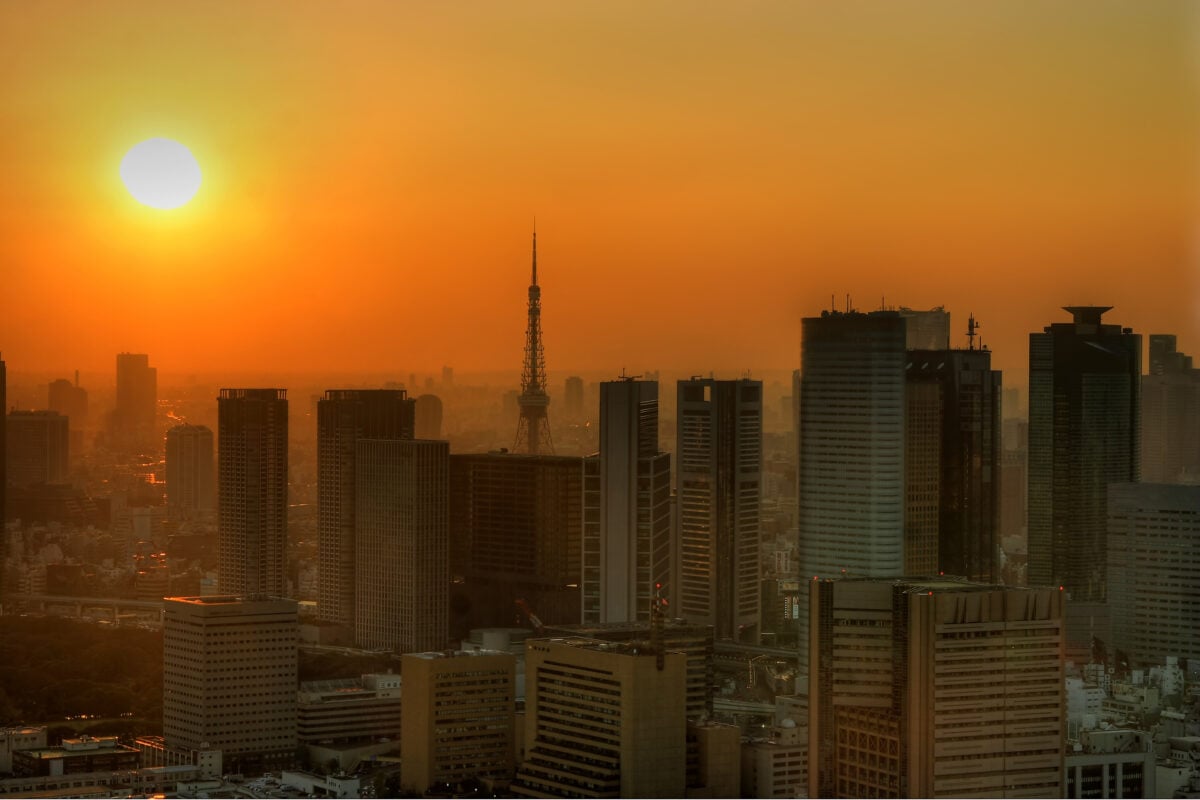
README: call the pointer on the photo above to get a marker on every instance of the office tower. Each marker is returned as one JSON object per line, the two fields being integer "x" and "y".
{"x": 1084, "y": 381}
{"x": 70, "y": 400}
{"x": 633, "y": 744}
{"x": 533, "y": 427}
{"x": 343, "y": 417}
{"x": 1154, "y": 571}
{"x": 1170, "y": 415}
{"x": 935, "y": 688}
{"x": 458, "y": 718}
{"x": 926, "y": 330}
{"x": 137, "y": 400}
{"x": 952, "y": 464}
{"x": 229, "y": 679}
{"x": 37, "y": 448}
{"x": 428, "y": 424}
{"x": 515, "y": 533}
{"x": 719, "y": 485}
{"x": 627, "y": 507}
{"x": 401, "y": 553}
{"x": 573, "y": 397}
{"x": 252, "y": 474}
{"x": 190, "y": 472}
{"x": 852, "y": 413}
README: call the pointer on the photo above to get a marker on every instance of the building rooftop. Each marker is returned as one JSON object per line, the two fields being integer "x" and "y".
{"x": 437, "y": 654}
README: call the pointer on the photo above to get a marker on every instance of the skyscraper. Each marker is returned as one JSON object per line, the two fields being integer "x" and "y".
{"x": 190, "y": 473}
{"x": 37, "y": 448}
{"x": 935, "y": 688}
{"x": 70, "y": 400}
{"x": 533, "y": 427}
{"x": 1084, "y": 382}
{"x": 428, "y": 423}
{"x": 252, "y": 471}
{"x": 926, "y": 330}
{"x": 573, "y": 397}
{"x": 137, "y": 401}
{"x": 719, "y": 485}
{"x": 627, "y": 507}
{"x": 952, "y": 464}
{"x": 401, "y": 567}
{"x": 1170, "y": 415}
{"x": 343, "y": 417}
{"x": 852, "y": 415}
{"x": 229, "y": 679}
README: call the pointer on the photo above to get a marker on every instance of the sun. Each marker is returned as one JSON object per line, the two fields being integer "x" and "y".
{"x": 160, "y": 173}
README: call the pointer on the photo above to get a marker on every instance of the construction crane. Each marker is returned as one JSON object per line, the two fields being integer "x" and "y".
{"x": 538, "y": 627}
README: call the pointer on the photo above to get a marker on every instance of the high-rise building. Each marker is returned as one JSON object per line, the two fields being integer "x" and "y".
{"x": 719, "y": 485}
{"x": 633, "y": 743}
{"x": 1170, "y": 415}
{"x": 70, "y": 400}
{"x": 926, "y": 330}
{"x": 402, "y": 559}
{"x": 851, "y": 474}
{"x": 428, "y": 423}
{"x": 573, "y": 397}
{"x": 1084, "y": 387}
{"x": 516, "y": 523}
{"x": 1154, "y": 570}
{"x": 458, "y": 718}
{"x": 229, "y": 679}
{"x": 190, "y": 471}
{"x": 533, "y": 426}
{"x": 952, "y": 464}
{"x": 627, "y": 507}
{"x": 343, "y": 417}
{"x": 137, "y": 401}
{"x": 935, "y": 688}
{"x": 38, "y": 448}
{"x": 252, "y": 475}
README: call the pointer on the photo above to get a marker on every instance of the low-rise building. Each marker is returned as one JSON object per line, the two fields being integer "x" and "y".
{"x": 1110, "y": 763}
{"x": 85, "y": 754}
{"x": 21, "y": 738}
{"x": 776, "y": 765}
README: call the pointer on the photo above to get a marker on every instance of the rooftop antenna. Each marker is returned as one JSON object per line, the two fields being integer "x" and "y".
{"x": 972, "y": 326}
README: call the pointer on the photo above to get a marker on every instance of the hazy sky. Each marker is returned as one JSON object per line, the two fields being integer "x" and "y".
{"x": 703, "y": 175}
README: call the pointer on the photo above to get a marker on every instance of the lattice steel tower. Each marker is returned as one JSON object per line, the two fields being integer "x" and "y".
{"x": 533, "y": 428}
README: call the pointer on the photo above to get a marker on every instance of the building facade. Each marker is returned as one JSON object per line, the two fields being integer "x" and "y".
{"x": 137, "y": 401}
{"x": 1170, "y": 415}
{"x": 190, "y": 471}
{"x": 401, "y": 551}
{"x": 38, "y": 448}
{"x": 930, "y": 688}
{"x": 343, "y": 417}
{"x": 627, "y": 507}
{"x": 719, "y": 490}
{"x": 252, "y": 475}
{"x": 229, "y": 679}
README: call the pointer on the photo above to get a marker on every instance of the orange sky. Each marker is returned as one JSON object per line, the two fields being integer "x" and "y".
{"x": 703, "y": 175}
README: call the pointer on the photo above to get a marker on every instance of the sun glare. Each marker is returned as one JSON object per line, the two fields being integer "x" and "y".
{"x": 160, "y": 173}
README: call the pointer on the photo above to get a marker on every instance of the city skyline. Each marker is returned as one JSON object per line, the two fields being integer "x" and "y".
{"x": 998, "y": 161}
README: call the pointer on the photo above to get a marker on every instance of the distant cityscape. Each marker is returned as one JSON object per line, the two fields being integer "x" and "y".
{"x": 889, "y": 576}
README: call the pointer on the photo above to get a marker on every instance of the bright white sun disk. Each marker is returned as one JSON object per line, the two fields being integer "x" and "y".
{"x": 160, "y": 173}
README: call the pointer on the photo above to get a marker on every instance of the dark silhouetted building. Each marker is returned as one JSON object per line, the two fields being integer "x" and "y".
{"x": 719, "y": 489}
{"x": 935, "y": 688}
{"x": 952, "y": 464}
{"x": 38, "y": 448}
{"x": 1170, "y": 415}
{"x": 343, "y": 417}
{"x": 252, "y": 470}
{"x": 573, "y": 397}
{"x": 1084, "y": 387}
{"x": 926, "y": 330}
{"x": 70, "y": 400}
{"x": 190, "y": 471}
{"x": 429, "y": 417}
{"x": 627, "y": 507}
{"x": 516, "y": 523}
{"x": 401, "y": 523}
{"x": 137, "y": 401}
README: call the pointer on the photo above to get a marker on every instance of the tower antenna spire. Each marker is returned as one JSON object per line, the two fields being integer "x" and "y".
{"x": 533, "y": 426}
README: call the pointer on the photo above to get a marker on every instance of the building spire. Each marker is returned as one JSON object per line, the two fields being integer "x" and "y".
{"x": 533, "y": 281}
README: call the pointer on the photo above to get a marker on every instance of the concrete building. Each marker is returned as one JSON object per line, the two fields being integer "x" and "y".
{"x": 38, "y": 448}
{"x": 1084, "y": 387}
{"x": 21, "y": 738}
{"x": 776, "y": 765}
{"x": 343, "y": 417}
{"x": 939, "y": 687}
{"x": 1110, "y": 763}
{"x": 401, "y": 551}
{"x": 852, "y": 417}
{"x": 458, "y": 724}
{"x": 1170, "y": 415}
{"x": 134, "y": 418}
{"x": 252, "y": 472}
{"x": 719, "y": 486}
{"x": 84, "y": 754}
{"x": 1154, "y": 570}
{"x": 714, "y": 765}
{"x": 926, "y": 330}
{"x": 348, "y": 710}
{"x": 627, "y": 507}
{"x": 602, "y": 719}
{"x": 229, "y": 679}
{"x": 516, "y": 523}
{"x": 191, "y": 475}
{"x": 952, "y": 464}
